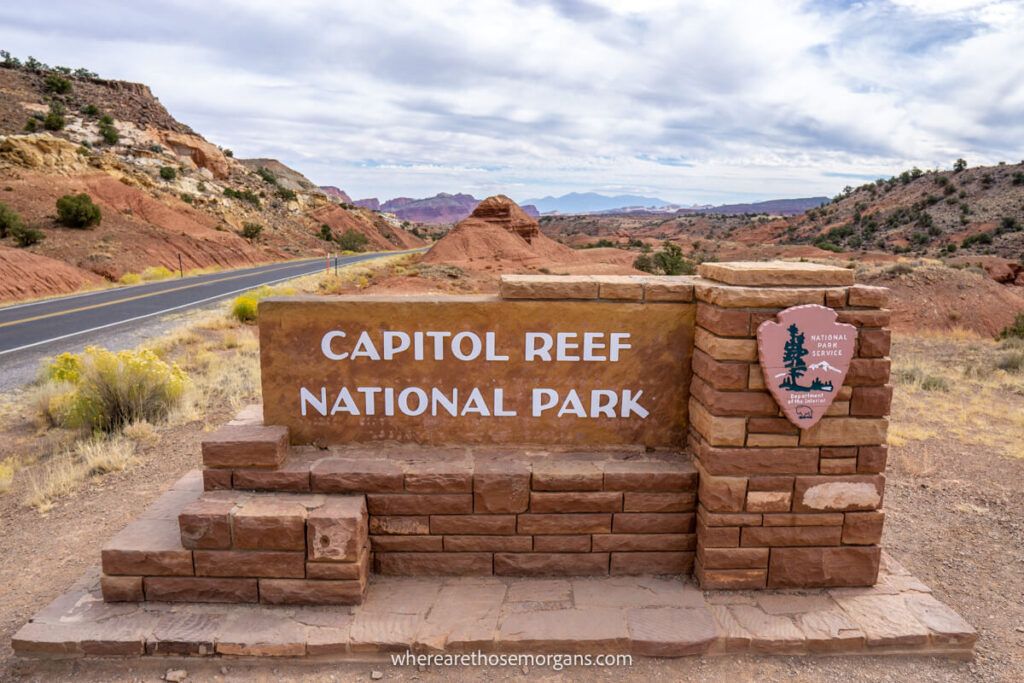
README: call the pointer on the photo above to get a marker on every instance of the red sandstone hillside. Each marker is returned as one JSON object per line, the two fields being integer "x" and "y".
{"x": 499, "y": 236}
{"x": 148, "y": 219}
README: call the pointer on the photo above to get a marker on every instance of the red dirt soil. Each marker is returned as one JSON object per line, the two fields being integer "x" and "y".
{"x": 24, "y": 275}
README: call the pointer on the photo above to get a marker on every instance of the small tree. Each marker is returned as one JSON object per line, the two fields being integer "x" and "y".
{"x": 670, "y": 260}
{"x": 351, "y": 240}
{"x": 959, "y": 165}
{"x": 168, "y": 173}
{"x": 251, "y": 231}
{"x": 26, "y": 237}
{"x": 55, "y": 118}
{"x": 793, "y": 357}
{"x": 57, "y": 84}
{"x": 78, "y": 211}
{"x": 9, "y": 220}
{"x": 645, "y": 263}
{"x": 325, "y": 233}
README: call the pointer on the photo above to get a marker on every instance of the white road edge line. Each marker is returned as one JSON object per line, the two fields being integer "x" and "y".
{"x": 160, "y": 312}
{"x": 111, "y": 290}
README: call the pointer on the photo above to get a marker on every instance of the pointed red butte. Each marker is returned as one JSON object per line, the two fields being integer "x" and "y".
{"x": 805, "y": 357}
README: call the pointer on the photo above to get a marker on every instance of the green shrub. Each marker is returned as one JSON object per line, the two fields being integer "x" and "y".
{"x": 113, "y": 390}
{"x": 244, "y": 195}
{"x": 959, "y": 165}
{"x": 245, "y": 308}
{"x": 187, "y": 198}
{"x": 9, "y": 220}
{"x": 352, "y": 240}
{"x": 91, "y": 110}
{"x": 168, "y": 173}
{"x": 251, "y": 231}
{"x": 286, "y": 194}
{"x": 325, "y": 232}
{"x": 31, "y": 126}
{"x": 78, "y": 211}
{"x": 55, "y": 118}
{"x": 267, "y": 175}
{"x": 1011, "y": 362}
{"x": 26, "y": 237}
{"x": 980, "y": 238}
{"x": 1014, "y": 330}
{"x": 56, "y": 84}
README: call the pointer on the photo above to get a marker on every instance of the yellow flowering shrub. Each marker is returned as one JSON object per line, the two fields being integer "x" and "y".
{"x": 67, "y": 367}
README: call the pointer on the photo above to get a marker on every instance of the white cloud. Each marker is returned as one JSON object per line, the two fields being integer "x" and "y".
{"x": 690, "y": 101}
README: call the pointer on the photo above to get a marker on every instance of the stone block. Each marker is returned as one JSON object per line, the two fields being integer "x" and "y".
{"x": 407, "y": 544}
{"x": 722, "y": 494}
{"x": 863, "y": 528}
{"x": 577, "y": 543}
{"x": 868, "y": 372}
{"x": 644, "y": 542}
{"x": 769, "y": 501}
{"x": 669, "y": 288}
{"x": 671, "y": 632}
{"x": 866, "y": 318}
{"x": 823, "y": 567}
{"x": 289, "y": 478}
{"x": 337, "y": 475}
{"x": 244, "y": 563}
{"x": 776, "y": 273}
{"x": 551, "y": 564}
{"x": 874, "y": 343}
{"x": 838, "y": 493}
{"x": 659, "y": 501}
{"x": 871, "y": 401}
{"x": 725, "y": 348}
{"x": 652, "y": 523}
{"x": 727, "y": 518}
{"x": 846, "y": 431}
{"x": 147, "y": 548}
{"x": 269, "y": 523}
{"x": 489, "y": 544}
{"x": 246, "y": 446}
{"x": 501, "y": 487}
{"x": 728, "y": 296}
{"x": 439, "y": 477}
{"x": 206, "y": 523}
{"x": 724, "y": 322}
{"x": 770, "y": 483}
{"x": 832, "y": 466}
{"x": 216, "y": 480}
{"x": 758, "y": 461}
{"x": 718, "y": 536}
{"x": 733, "y": 403}
{"x": 122, "y": 588}
{"x": 473, "y": 524}
{"x": 311, "y": 592}
{"x": 871, "y": 459}
{"x": 621, "y": 287}
{"x": 771, "y": 425}
{"x": 401, "y": 525}
{"x": 717, "y": 431}
{"x": 199, "y": 589}
{"x": 419, "y": 503}
{"x": 730, "y": 579}
{"x": 549, "y": 287}
{"x": 639, "y": 563}
{"x": 869, "y": 297}
{"x": 567, "y": 476}
{"x": 337, "y": 530}
{"x": 434, "y": 564}
{"x": 340, "y": 571}
{"x": 632, "y": 475}
{"x": 819, "y": 519}
{"x": 720, "y": 374}
{"x": 576, "y": 501}
{"x": 579, "y": 523}
{"x": 773, "y": 440}
{"x": 784, "y": 536}
{"x": 732, "y": 558}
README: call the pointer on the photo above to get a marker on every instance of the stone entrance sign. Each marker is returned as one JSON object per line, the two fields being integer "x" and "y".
{"x": 805, "y": 357}
{"x": 476, "y": 370}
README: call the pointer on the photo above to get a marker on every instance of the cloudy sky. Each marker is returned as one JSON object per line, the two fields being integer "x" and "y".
{"x": 693, "y": 102}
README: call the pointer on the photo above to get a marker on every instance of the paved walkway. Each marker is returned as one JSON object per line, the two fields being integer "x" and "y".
{"x": 649, "y": 616}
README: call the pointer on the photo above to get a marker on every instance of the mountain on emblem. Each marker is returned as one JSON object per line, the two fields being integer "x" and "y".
{"x": 805, "y": 357}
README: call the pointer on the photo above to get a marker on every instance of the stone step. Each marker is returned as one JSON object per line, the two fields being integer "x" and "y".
{"x": 229, "y": 546}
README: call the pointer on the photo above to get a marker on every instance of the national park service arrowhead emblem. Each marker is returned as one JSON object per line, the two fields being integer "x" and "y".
{"x": 805, "y": 357}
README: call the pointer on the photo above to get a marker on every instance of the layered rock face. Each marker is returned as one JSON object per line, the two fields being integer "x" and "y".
{"x": 502, "y": 211}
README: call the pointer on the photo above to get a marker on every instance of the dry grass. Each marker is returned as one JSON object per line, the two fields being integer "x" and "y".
{"x": 68, "y": 471}
{"x": 7, "y": 469}
{"x": 959, "y": 388}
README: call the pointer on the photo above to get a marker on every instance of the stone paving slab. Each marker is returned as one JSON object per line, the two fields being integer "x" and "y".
{"x": 644, "y": 616}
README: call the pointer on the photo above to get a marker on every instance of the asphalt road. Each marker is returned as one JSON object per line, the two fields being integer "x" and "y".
{"x": 123, "y": 317}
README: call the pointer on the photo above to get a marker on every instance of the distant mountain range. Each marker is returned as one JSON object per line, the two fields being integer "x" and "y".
{"x": 592, "y": 202}
{"x": 437, "y": 210}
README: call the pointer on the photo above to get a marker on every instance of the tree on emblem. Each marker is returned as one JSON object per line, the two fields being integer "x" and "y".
{"x": 793, "y": 360}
